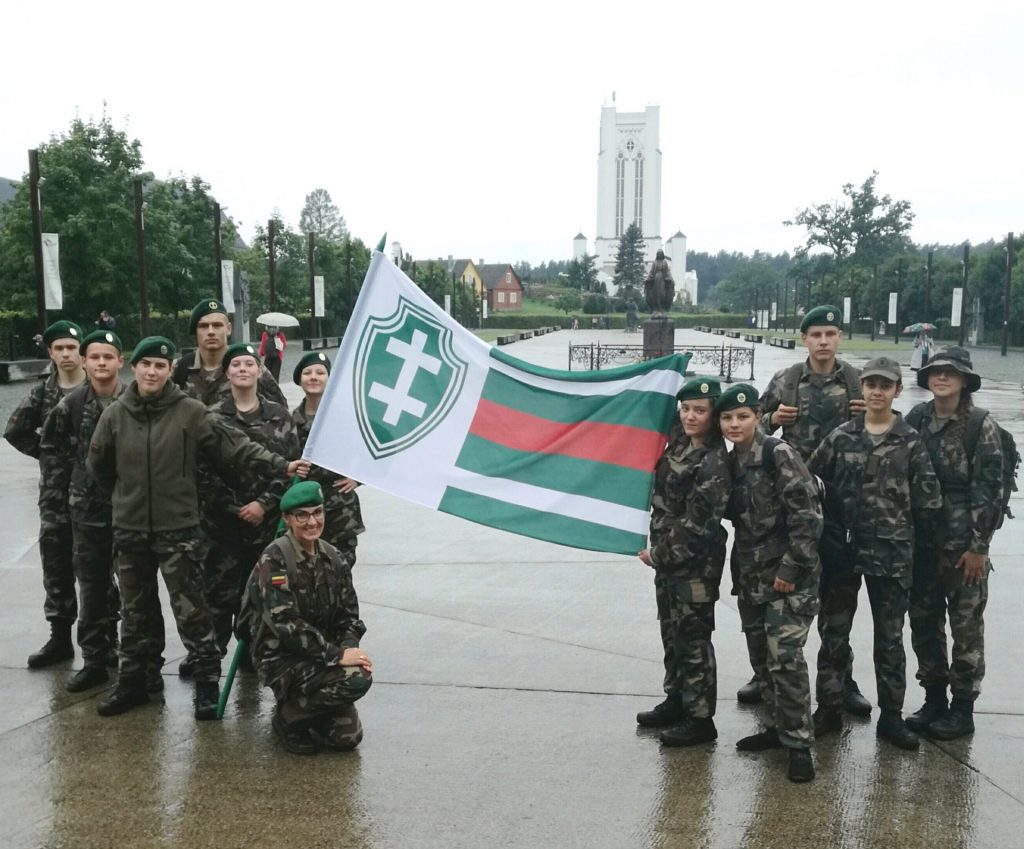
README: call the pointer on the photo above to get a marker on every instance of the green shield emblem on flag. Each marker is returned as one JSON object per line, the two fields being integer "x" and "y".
{"x": 406, "y": 378}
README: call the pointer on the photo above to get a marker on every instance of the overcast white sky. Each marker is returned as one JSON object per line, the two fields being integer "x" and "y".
{"x": 471, "y": 128}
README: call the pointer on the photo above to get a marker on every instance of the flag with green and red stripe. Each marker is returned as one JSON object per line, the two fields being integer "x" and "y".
{"x": 420, "y": 407}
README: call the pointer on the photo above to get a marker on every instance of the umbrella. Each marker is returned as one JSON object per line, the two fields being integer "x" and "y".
{"x": 277, "y": 319}
{"x": 919, "y": 327}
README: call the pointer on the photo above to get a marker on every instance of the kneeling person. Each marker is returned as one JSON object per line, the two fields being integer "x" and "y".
{"x": 303, "y": 612}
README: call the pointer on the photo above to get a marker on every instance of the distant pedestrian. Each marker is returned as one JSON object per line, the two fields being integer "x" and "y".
{"x": 272, "y": 345}
{"x": 106, "y": 321}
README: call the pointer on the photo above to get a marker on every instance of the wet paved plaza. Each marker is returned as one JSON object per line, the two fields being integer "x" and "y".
{"x": 507, "y": 675}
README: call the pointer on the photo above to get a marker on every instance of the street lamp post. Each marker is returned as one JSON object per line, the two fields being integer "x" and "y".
{"x": 1006, "y": 294}
{"x": 35, "y": 202}
{"x": 140, "y": 252}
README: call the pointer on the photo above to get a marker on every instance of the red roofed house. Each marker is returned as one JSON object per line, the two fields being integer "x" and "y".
{"x": 504, "y": 291}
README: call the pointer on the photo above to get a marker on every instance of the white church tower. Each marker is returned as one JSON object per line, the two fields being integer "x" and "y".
{"x": 628, "y": 182}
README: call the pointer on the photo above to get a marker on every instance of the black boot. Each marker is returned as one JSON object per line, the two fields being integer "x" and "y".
{"x": 296, "y": 738}
{"x": 853, "y": 700}
{"x": 760, "y": 742}
{"x": 125, "y": 696}
{"x": 749, "y": 693}
{"x": 801, "y": 766}
{"x": 957, "y": 722}
{"x": 187, "y": 668}
{"x": 207, "y": 696}
{"x": 154, "y": 681}
{"x": 692, "y": 731}
{"x": 891, "y": 727}
{"x": 827, "y": 720}
{"x": 89, "y": 676}
{"x": 59, "y": 647}
{"x": 669, "y": 712}
{"x": 934, "y": 708}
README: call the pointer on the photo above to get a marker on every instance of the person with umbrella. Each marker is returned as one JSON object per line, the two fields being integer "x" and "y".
{"x": 923, "y": 344}
{"x": 272, "y": 345}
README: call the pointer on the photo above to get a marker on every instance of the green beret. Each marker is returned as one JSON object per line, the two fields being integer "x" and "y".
{"x": 204, "y": 307}
{"x": 303, "y": 494}
{"x": 825, "y": 314}
{"x": 62, "y": 329}
{"x": 698, "y": 388}
{"x": 239, "y": 349}
{"x": 104, "y": 336}
{"x": 310, "y": 358}
{"x": 153, "y": 347}
{"x": 737, "y": 395}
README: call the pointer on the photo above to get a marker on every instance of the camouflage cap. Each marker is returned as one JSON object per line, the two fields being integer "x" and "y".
{"x": 882, "y": 367}
{"x": 700, "y": 387}
{"x": 737, "y": 395}
{"x": 239, "y": 349}
{"x": 825, "y": 314}
{"x": 154, "y": 347}
{"x": 310, "y": 358}
{"x": 205, "y": 307}
{"x": 302, "y": 494}
{"x": 105, "y": 336}
{"x": 952, "y": 357}
{"x": 62, "y": 329}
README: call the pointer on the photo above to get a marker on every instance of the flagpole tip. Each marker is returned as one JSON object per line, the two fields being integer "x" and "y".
{"x": 383, "y": 239}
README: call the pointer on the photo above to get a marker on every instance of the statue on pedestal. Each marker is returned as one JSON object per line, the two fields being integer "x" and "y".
{"x": 660, "y": 288}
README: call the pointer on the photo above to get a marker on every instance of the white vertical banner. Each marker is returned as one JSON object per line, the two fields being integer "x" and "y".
{"x": 448, "y": 304}
{"x": 54, "y": 294}
{"x": 893, "y": 296}
{"x": 775, "y": 310}
{"x": 318, "y": 296}
{"x": 227, "y": 285}
{"x": 847, "y": 310}
{"x": 483, "y": 308}
{"x": 958, "y": 307}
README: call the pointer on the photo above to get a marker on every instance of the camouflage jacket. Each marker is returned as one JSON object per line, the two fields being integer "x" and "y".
{"x": 67, "y": 433}
{"x": 777, "y": 522}
{"x": 25, "y": 426}
{"x": 212, "y": 386}
{"x": 823, "y": 402}
{"x": 227, "y": 489}
{"x": 692, "y": 484}
{"x": 885, "y": 490}
{"x": 147, "y": 451}
{"x": 24, "y": 432}
{"x": 344, "y": 515}
{"x": 970, "y": 504}
{"x": 308, "y": 613}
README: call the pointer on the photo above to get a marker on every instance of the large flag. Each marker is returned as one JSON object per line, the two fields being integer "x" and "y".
{"x": 420, "y": 407}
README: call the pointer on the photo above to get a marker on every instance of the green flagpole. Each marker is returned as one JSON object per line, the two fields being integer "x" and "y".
{"x": 230, "y": 679}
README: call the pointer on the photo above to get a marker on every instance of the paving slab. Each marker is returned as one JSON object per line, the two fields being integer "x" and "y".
{"x": 507, "y": 675}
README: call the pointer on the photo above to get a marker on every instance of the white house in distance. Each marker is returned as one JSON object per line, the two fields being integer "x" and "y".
{"x": 629, "y": 190}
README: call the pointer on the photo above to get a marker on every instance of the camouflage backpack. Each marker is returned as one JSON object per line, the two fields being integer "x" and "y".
{"x": 848, "y": 376}
{"x": 972, "y": 433}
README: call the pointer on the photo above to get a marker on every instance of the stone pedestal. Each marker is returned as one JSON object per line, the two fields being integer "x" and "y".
{"x": 659, "y": 337}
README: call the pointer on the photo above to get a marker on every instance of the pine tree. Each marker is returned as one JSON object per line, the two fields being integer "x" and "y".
{"x": 629, "y": 264}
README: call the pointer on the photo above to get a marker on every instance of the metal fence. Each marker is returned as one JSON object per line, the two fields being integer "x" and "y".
{"x": 723, "y": 359}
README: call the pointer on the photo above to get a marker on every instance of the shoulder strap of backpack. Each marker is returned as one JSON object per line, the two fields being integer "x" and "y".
{"x": 768, "y": 454}
{"x": 76, "y": 406}
{"x": 972, "y": 434}
{"x": 790, "y": 383}
{"x": 915, "y": 418}
{"x": 180, "y": 375}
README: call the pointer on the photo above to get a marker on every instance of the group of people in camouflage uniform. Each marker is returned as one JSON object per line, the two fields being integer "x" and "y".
{"x": 853, "y": 492}
{"x": 187, "y": 471}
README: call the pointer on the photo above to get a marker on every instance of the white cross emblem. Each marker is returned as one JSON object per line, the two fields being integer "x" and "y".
{"x": 397, "y": 397}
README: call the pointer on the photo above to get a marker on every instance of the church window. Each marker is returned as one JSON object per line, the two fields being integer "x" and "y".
{"x": 620, "y": 193}
{"x": 638, "y": 193}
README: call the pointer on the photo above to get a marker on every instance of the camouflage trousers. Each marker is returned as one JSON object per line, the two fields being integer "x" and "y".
{"x": 311, "y": 691}
{"x": 56, "y": 546}
{"x": 98, "y": 598}
{"x": 661, "y": 598}
{"x": 889, "y": 598}
{"x": 695, "y": 676}
{"x": 776, "y": 631}
{"x": 178, "y": 556}
{"x": 227, "y": 568}
{"x": 939, "y": 591}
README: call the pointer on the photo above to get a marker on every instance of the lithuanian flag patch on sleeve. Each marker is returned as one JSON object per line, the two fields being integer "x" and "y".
{"x": 279, "y": 582}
